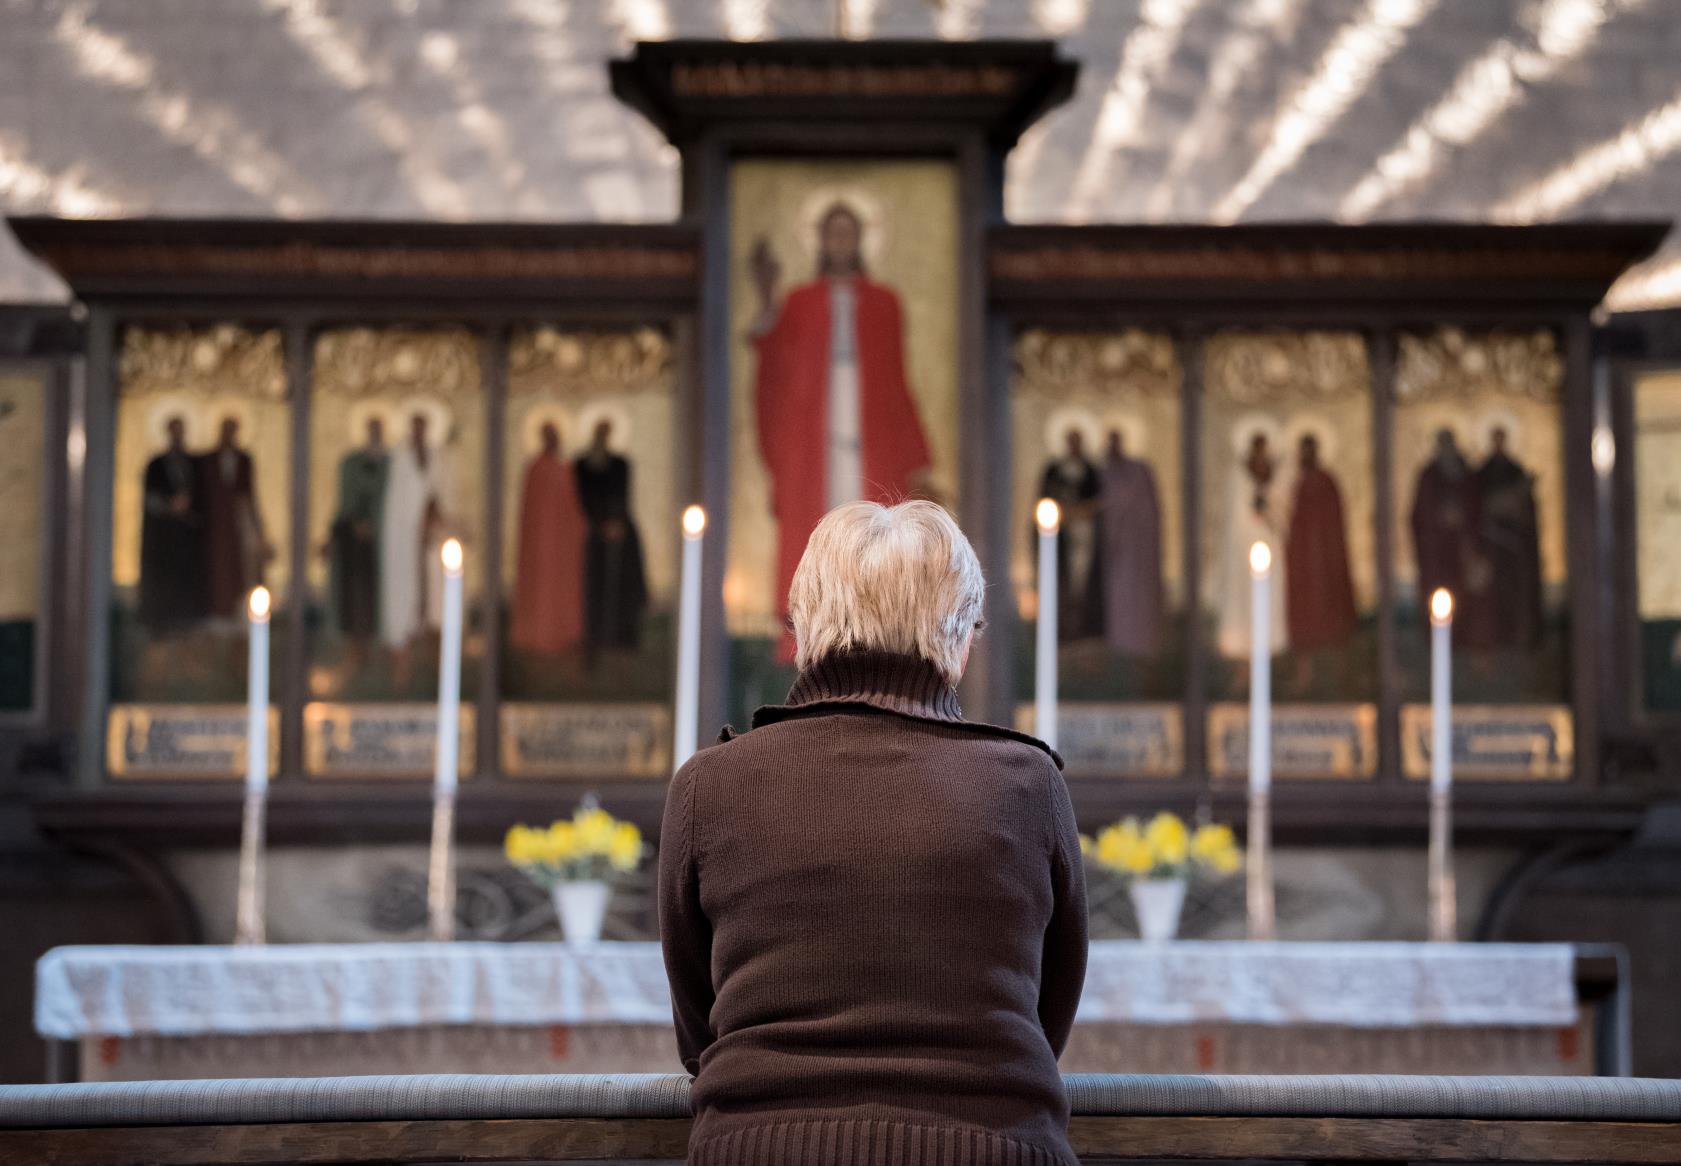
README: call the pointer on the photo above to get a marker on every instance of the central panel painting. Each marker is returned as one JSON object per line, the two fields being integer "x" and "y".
{"x": 843, "y": 371}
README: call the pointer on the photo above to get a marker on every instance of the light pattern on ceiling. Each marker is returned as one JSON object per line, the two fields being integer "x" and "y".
{"x": 1187, "y": 111}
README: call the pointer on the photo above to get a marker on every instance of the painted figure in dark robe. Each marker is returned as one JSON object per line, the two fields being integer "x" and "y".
{"x": 615, "y": 587}
{"x": 353, "y": 544}
{"x": 1073, "y": 483}
{"x": 172, "y": 590}
{"x": 1511, "y": 544}
{"x": 1131, "y": 537}
{"x": 235, "y": 547}
{"x": 1319, "y": 599}
{"x": 1446, "y": 516}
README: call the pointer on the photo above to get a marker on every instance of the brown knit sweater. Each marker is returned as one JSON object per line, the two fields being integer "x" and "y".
{"x": 874, "y": 921}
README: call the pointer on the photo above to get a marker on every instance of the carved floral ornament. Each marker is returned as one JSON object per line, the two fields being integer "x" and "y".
{"x": 546, "y": 359}
{"x": 213, "y": 360}
{"x": 360, "y": 362}
{"x": 1451, "y": 362}
{"x": 1067, "y": 364}
{"x": 1255, "y": 368}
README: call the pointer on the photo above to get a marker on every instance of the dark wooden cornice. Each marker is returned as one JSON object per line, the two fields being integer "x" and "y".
{"x": 162, "y": 815}
{"x": 277, "y": 259}
{"x": 999, "y": 86}
{"x": 1440, "y": 263}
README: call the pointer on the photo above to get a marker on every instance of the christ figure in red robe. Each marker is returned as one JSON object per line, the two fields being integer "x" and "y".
{"x": 836, "y": 420}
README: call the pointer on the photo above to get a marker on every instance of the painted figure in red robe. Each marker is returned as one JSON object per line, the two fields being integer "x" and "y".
{"x": 835, "y": 414}
{"x": 548, "y": 616}
{"x": 1319, "y": 599}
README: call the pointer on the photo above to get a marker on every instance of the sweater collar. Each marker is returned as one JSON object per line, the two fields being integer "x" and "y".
{"x": 907, "y": 685}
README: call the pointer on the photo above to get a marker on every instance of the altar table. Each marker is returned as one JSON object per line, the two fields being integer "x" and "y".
{"x": 140, "y": 1013}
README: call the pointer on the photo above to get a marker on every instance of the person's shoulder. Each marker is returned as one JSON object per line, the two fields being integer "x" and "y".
{"x": 1019, "y": 748}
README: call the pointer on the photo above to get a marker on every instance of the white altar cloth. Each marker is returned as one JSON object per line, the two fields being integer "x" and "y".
{"x": 293, "y": 988}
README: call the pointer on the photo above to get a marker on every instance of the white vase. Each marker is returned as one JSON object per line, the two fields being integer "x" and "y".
{"x": 581, "y": 906}
{"x": 1157, "y": 903}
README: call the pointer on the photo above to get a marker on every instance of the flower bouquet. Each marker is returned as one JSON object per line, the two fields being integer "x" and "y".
{"x": 573, "y": 859}
{"x": 1157, "y": 860}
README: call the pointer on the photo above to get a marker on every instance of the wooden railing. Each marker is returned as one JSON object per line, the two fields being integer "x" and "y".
{"x": 352, "y": 1121}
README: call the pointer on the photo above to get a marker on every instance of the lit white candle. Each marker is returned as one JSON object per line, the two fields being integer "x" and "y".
{"x": 687, "y": 716}
{"x": 248, "y": 913}
{"x": 1260, "y": 668}
{"x": 1048, "y": 516}
{"x": 256, "y": 693}
{"x": 449, "y": 672}
{"x": 1441, "y": 690}
{"x": 1444, "y": 911}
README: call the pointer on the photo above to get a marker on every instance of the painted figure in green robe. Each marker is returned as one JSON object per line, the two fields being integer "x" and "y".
{"x": 354, "y": 541}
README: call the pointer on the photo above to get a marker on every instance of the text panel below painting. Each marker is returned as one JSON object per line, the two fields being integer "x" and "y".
{"x": 1479, "y": 497}
{"x": 1096, "y": 419}
{"x": 589, "y": 554}
{"x": 200, "y": 517}
{"x": 397, "y": 458}
{"x": 1286, "y": 463}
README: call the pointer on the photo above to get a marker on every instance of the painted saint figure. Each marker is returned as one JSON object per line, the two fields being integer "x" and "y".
{"x": 1257, "y": 513}
{"x": 353, "y": 544}
{"x": 172, "y": 585}
{"x": 235, "y": 546}
{"x": 1072, "y": 482}
{"x": 1131, "y": 537}
{"x": 1445, "y": 518}
{"x": 835, "y": 415}
{"x": 1319, "y": 588}
{"x": 1511, "y": 544}
{"x": 410, "y": 535}
{"x": 615, "y": 587}
{"x": 548, "y": 615}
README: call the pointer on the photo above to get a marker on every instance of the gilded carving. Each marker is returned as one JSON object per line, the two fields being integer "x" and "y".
{"x": 1066, "y": 364}
{"x": 363, "y": 362}
{"x": 569, "y": 363}
{"x": 1453, "y": 363}
{"x": 1254, "y": 368}
{"x": 207, "y": 361}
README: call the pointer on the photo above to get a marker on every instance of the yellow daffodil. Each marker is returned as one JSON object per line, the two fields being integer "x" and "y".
{"x": 1216, "y": 847}
{"x": 625, "y": 851}
{"x": 1087, "y": 845}
{"x": 1168, "y": 839}
{"x": 560, "y": 843}
{"x": 594, "y": 831}
{"x": 519, "y": 846}
{"x": 1122, "y": 848}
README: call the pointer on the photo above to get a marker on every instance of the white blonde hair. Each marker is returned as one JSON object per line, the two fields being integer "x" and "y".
{"x": 889, "y": 578}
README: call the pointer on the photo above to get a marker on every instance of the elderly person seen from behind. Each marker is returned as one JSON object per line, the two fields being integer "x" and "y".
{"x": 873, "y": 911}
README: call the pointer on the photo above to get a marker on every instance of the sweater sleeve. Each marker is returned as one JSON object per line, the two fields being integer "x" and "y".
{"x": 685, "y": 931}
{"x": 1062, "y": 970}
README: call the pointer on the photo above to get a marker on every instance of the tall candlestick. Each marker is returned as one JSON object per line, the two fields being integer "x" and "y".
{"x": 248, "y": 916}
{"x": 1444, "y": 922}
{"x": 440, "y": 885}
{"x": 1048, "y": 515}
{"x": 1259, "y": 851}
{"x": 687, "y": 717}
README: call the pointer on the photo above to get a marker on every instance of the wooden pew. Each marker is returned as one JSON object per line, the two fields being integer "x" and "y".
{"x": 643, "y": 1118}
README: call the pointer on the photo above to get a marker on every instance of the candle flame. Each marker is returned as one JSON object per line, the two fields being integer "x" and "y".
{"x": 1260, "y": 558}
{"x": 1441, "y": 605}
{"x": 452, "y": 556}
{"x": 261, "y": 603}
{"x": 694, "y": 521}
{"x": 1048, "y": 515}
